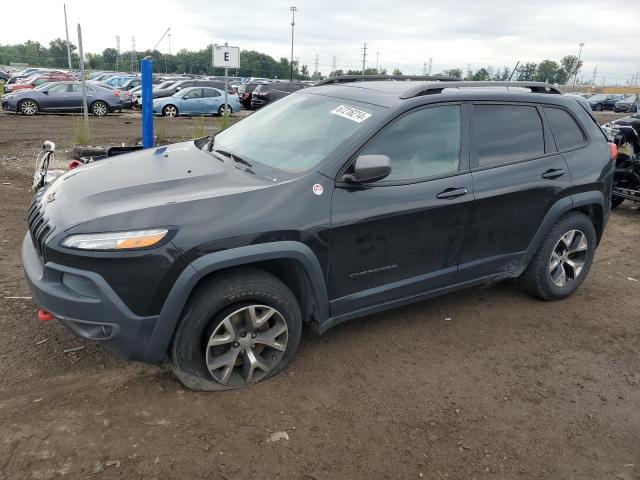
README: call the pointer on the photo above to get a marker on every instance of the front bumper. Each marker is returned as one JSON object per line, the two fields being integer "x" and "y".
{"x": 85, "y": 303}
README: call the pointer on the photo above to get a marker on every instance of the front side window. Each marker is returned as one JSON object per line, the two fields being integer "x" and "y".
{"x": 59, "y": 88}
{"x": 508, "y": 133}
{"x": 197, "y": 93}
{"x": 421, "y": 144}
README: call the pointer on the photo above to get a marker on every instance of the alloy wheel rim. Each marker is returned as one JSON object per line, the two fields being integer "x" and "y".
{"x": 99, "y": 110}
{"x": 246, "y": 345}
{"x": 170, "y": 112}
{"x": 29, "y": 108}
{"x": 568, "y": 258}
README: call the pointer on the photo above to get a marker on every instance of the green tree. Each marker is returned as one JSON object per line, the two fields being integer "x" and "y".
{"x": 397, "y": 71}
{"x": 453, "y": 72}
{"x": 571, "y": 65}
{"x": 527, "y": 72}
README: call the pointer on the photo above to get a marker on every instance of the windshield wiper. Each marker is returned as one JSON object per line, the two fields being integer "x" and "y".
{"x": 233, "y": 157}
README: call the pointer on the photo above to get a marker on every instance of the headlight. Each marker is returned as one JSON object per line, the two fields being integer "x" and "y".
{"x": 115, "y": 240}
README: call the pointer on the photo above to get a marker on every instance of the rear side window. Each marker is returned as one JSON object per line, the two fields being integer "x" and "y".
{"x": 566, "y": 132}
{"x": 508, "y": 133}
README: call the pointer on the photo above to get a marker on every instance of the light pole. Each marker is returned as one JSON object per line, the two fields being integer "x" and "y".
{"x": 575, "y": 79}
{"x": 293, "y": 23}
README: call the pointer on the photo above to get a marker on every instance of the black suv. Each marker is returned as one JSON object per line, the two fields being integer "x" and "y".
{"x": 270, "y": 92}
{"x": 333, "y": 203}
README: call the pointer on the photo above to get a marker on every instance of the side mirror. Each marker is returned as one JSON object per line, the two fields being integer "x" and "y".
{"x": 46, "y": 92}
{"x": 178, "y": 89}
{"x": 369, "y": 168}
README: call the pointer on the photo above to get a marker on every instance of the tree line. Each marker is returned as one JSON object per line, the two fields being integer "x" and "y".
{"x": 256, "y": 64}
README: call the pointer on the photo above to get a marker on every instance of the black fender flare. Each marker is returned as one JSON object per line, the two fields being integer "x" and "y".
{"x": 557, "y": 210}
{"x": 212, "y": 262}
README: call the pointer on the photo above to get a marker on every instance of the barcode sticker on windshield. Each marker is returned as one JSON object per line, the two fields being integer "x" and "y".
{"x": 351, "y": 113}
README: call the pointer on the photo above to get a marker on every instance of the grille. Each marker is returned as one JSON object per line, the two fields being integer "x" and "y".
{"x": 38, "y": 224}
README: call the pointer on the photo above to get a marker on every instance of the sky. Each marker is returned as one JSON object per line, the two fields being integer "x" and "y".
{"x": 405, "y": 35}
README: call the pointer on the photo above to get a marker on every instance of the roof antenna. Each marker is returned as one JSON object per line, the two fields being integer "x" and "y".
{"x": 514, "y": 70}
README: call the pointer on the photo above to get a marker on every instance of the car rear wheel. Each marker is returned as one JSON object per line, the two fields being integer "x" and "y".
{"x": 28, "y": 107}
{"x": 99, "y": 109}
{"x": 170, "y": 111}
{"x": 239, "y": 328}
{"x": 598, "y": 108}
{"x": 563, "y": 260}
{"x": 224, "y": 109}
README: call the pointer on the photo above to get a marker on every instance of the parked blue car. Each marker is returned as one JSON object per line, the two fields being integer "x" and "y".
{"x": 195, "y": 101}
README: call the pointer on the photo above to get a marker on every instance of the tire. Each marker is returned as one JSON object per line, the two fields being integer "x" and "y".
{"x": 545, "y": 282}
{"x": 28, "y": 107}
{"x": 99, "y": 108}
{"x": 221, "y": 110}
{"x": 219, "y": 312}
{"x": 170, "y": 111}
{"x": 598, "y": 108}
{"x": 616, "y": 202}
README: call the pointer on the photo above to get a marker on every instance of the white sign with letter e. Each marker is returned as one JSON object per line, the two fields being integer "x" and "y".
{"x": 226, "y": 57}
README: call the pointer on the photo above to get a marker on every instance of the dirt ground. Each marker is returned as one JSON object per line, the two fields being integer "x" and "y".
{"x": 486, "y": 383}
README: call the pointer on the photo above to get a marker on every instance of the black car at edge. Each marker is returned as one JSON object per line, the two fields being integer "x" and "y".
{"x": 333, "y": 203}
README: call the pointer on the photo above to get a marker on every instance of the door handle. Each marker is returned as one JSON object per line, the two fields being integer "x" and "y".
{"x": 553, "y": 173}
{"x": 451, "y": 193}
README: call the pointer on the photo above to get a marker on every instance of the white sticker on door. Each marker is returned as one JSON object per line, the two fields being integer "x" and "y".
{"x": 351, "y": 113}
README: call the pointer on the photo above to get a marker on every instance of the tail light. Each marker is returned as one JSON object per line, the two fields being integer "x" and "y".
{"x": 116, "y": 93}
{"x": 44, "y": 315}
{"x": 613, "y": 148}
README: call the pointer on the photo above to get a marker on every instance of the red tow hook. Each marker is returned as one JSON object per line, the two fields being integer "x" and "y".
{"x": 74, "y": 164}
{"x": 45, "y": 316}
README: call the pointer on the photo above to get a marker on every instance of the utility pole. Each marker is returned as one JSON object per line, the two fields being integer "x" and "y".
{"x": 85, "y": 108}
{"x": 118, "y": 49}
{"x": 316, "y": 63}
{"x": 169, "y": 36}
{"x": 66, "y": 29}
{"x": 430, "y": 64}
{"x": 377, "y": 62}
{"x": 575, "y": 78}
{"x": 134, "y": 56}
{"x": 364, "y": 58}
{"x": 593, "y": 82}
{"x": 293, "y": 24}
{"x": 334, "y": 66}
{"x": 424, "y": 69}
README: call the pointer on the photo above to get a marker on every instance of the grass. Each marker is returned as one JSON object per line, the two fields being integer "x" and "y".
{"x": 199, "y": 129}
{"x": 161, "y": 131}
{"x": 1, "y": 88}
{"x": 225, "y": 122}
{"x": 81, "y": 132}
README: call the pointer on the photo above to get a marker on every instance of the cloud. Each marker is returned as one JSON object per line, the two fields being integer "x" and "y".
{"x": 453, "y": 33}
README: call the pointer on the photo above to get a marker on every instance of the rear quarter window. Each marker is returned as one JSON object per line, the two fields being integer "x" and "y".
{"x": 508, "y": 133}
{"x": 566, "y": 132}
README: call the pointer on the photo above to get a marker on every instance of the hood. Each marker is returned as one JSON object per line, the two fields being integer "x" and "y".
{"x": 141, "y": 184}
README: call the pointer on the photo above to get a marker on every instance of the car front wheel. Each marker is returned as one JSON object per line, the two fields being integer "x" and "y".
{"x": 563, "y": 260}
{"x": 239, "y": 328}
{"x": 28, "y": 107}
{"x": 170, "y": 111}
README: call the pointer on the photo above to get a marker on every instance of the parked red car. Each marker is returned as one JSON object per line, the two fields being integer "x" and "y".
{"x": 39, "y": 79}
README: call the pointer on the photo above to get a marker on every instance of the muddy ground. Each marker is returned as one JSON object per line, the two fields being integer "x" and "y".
{"x": 486, "y": 383}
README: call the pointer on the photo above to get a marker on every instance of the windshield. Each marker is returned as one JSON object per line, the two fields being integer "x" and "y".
{"x": 44, "y": 86}
{"x": 295, "y": 133}
{"x": 597, "y": 97}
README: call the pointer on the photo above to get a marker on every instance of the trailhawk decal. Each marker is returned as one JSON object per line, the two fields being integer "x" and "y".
{"x": 351, "y": 113}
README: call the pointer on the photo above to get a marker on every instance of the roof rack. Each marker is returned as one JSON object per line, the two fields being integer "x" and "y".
{"x": 372, "y": 78}
{"x": 436, "y": 87}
